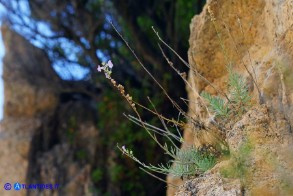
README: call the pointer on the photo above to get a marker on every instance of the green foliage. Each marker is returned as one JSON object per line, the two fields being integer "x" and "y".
{"x": 217, "y": 104}
{"x": 238, "y": 90}
{"x": 239, "y": 162}
{"x": 191, "y": 162}
{"x": 97, "y": 175}
{"x": 115, "y": 173}
{"x": 187, "y": 162}
{"x": 81, "y": 154}
{"x": 71, "y": 129}
{"x": 239, "y": 98}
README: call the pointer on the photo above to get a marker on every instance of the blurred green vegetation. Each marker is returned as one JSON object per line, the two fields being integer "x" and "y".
{"x": 239, "y": 163}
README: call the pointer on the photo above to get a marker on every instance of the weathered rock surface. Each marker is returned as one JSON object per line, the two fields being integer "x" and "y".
{"x": 211, "y": 183}
{"x": 27, "y": 94}
{"x": 48, "y": 134}
{"x": 259, "y": 35}
{"x": 260, "y": 163}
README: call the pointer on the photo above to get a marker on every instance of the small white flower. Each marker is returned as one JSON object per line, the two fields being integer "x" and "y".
{"x": 100, "y": 68}
{"x": 181, "y": 140}
{"x": 110, "y": 64}
{"x": 124, "y": 149}
{"x": 107, "y": 74}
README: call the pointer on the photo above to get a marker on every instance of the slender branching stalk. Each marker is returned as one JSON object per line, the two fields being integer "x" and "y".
{"x": 185, "y": 163}
{"x": 189, "y": 161}
{"x": 146, "y": 70}
{"x": 251, "y": 64}
{"x": 213, "y": 19}
{"x": 191, "y": 68}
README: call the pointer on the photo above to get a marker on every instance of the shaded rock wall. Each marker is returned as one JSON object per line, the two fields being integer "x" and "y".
{"x": 27, "y": 92}
{"x": 258, "y": 34}
{"x": 48, "y": 134}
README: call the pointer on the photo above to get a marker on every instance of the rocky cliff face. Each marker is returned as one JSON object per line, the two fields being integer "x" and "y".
{"x": 259, "y": 35}
{"x": 43, "y": 117}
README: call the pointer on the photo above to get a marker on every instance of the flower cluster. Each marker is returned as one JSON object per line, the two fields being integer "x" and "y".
{"x": 107, "y": 68}
{"x": 126, "y": 151}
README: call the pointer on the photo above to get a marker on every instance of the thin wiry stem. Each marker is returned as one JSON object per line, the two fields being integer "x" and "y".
{"x": 251, "y": 64}
{"x": 164, "y": 125}
{"x": 155, "y": 129}
{"x": 159, "y": 169}
{"x": 234, "y": 42}
{"x": 174, "y": 186}
{"x": 159, "y": 115}
{"x": 188, "y": 65}
{"x": 129, "y": 100}
{"x": 238, "y": 53}
{"x": 146, "y": 70}
{"x": 183, "y": 78}
{"x": 178, "y": 118}
{"x": 187, "y": 83}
